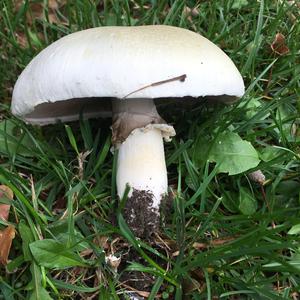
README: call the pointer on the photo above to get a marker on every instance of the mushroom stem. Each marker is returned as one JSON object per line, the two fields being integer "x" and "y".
{"x": 138, "y": 133}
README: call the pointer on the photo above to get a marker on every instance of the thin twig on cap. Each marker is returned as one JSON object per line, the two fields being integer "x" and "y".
{"x": 180, "y": 78}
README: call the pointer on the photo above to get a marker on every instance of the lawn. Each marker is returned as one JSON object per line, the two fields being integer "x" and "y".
{"x": 224, "y": 233}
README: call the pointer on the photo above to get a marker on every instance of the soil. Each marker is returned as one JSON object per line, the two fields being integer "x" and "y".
{"x": 139, "y": 281}
{"x": 140, "y": 215}
{"x": 143, "y": 220}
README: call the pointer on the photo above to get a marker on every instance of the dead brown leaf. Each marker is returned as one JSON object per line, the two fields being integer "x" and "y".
{"x": 5, "y": 193}
{"x": 6, "y": 237}
{"x": 101, "y": 241}
{"x": 37, "y": 11}
{"x": 194, "y": 12}
{"x": 21, "y": 39}
{"x": 189, "y": 13}
{"x": 279, "y": 46}
{"x": 56, "y": 4}
{"x": 8, "y": 234}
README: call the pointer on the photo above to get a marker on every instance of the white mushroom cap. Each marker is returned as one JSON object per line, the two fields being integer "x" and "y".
{"x": 115, "y": 61}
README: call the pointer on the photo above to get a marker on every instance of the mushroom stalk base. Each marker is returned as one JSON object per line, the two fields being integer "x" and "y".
{"x": 141, "y": 164}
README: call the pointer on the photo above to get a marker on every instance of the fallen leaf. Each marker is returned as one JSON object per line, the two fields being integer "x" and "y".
{"x": 54, "y": 4}
{"x": 194, "y": 12}
{"x": 38, "y": 11}
{"x": 101, "y": 241}
{"x": 279, "y": 46}
{"x": 5, "y": 194}
{"x": 6, "y": 237}
{"x": 21, "y": 39}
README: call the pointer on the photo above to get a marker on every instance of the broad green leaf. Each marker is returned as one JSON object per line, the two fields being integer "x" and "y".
{"x": 15, "y": 263}
{"x": 27, "y": 238}
{"x": 247, "y": 203}
{"x": 295, "y": 229}
{"x": 13, "y": 139}
{"x": 80, "y": 244}
{"x": 229, "y": 200}
{"x": 288, "y": 189}
{"x": 269, "y": 153}
{"x": 283, "y": 114}
{"x": 6, "y": 292}
{"x": 252, "y": 107}
{"x": 233, "y": 154}
{"x": 53, "y": 254}
{"x": 38, "y": 291}
{"x": 41, "y": 294}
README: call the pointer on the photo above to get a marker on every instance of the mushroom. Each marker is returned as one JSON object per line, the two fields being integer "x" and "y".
{"x": 121, "y": 72}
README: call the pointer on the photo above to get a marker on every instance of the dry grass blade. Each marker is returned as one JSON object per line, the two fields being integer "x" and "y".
{"x": 216, "y": 242}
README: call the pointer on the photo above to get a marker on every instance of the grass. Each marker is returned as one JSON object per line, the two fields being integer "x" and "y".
{"x": 65, "y": 209}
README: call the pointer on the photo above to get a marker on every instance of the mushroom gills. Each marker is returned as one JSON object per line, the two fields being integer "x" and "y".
{"x": 138, "y": 133}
